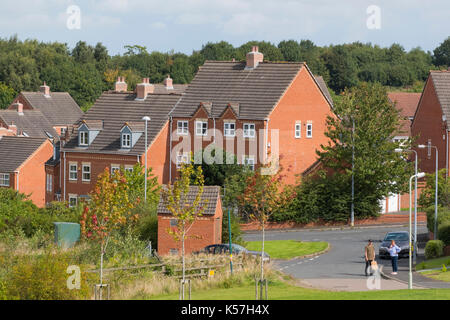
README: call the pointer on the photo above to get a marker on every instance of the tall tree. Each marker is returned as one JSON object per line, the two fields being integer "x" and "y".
{"x": 442, "y": 54}
{"x": 378, "y": 169}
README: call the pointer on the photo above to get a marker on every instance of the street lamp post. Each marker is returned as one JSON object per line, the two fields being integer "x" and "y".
{"x": 415, "y": 197}
{"x": 422, "y": 146}
{"x": 146, "y": 119}
{"x": 353, "y": 175}
{"x": 416, "y": 176}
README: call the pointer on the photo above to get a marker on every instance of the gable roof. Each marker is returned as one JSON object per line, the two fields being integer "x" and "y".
{"x": 59, "y": 107}
{"x": 209, "y": 198}
{"x": 14, "y": 151}
{"x": 406, "y": 103}
{"x": 31, "y": 122}
{"x": 115, "y": 109}
{"x": 257, "y": 91}
{"x": 441, "y": 82}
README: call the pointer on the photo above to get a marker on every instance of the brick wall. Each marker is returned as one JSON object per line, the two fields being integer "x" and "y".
{"x": 206, "y": 230}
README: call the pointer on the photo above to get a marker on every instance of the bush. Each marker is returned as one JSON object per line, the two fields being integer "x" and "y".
{"x": 236, "y": 233}
{"x": 434, "y": 249}
{"x": 43, "y": 277}
{"x": 444, "y": 233}
{"x": 443, "y": 216}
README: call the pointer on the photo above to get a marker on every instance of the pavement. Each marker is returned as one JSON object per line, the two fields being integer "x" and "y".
{"x": 342, "y": 267}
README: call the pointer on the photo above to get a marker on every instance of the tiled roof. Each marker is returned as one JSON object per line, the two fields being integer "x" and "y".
{"x": 406, "y": 103}
{"x": 441, "y": 81}
{"x": 161, "y": 88}
{"x": 257, "y": 91}
{"x": 32, "y": 123}
{"x": 59, "y": 107}
{"x": 209, "y": 199}
{"x": 15, "y": 150}
{"x": 323, "y": 87}
{"x": 115, "y": 109}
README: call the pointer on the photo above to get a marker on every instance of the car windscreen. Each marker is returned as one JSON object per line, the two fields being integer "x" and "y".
{"x": 396, "y": 236}
{"x": 238, "y": 248}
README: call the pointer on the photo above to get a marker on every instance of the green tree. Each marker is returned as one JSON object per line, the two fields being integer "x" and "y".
{"x": 7, "y": 95}
{"x": 378, "y": 169}
{"x": 342, "y": 68}
{"x": 184, "y": 206}
{"x": 442, "y": 54}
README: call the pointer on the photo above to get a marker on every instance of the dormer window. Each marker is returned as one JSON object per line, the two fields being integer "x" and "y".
{"x": 126, "y": 140}
{"x": 84, "y": 138}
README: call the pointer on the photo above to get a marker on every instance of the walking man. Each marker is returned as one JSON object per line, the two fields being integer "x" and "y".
{"x": 393, "y": 252}
{"x": 369, "y": 254}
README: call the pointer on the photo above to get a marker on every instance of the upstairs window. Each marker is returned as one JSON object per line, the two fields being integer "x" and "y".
{"x": 182, "y": 127}
{"x": 201, "y": 128}
{"x": 86, "y": 172}
{"x": 126, "y": 140}
{"x": 298, "y": 130}
{"x": 229, "y": 129}
{"x": 83, "y": 138}
{"x": 249, "y": 130}
{"x": 309, "y": 127}
{"x": 4, "y": 179}
{"x": 73, "y": 171}
{"x": 49, "y": 182}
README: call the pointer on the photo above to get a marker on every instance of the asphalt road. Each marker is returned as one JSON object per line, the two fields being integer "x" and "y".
{"x": 345, "y": 260}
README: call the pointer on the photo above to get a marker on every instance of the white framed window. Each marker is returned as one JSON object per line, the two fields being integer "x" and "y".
{"x": 249, "y": 130}
{"x": 249, "y": 161}
{"x": 309, "y": 128}
{"x": 73, "y": 171}
{"x": 4, "y": 179}
{"x": 86, "y": 172}
{"x": 229, "y": 129}
{"x": 182, "y": 127}
{"x": 298, "y": 130}
{"x": 73, "y": 199}
{"x": 49, "y": 182}
{"x": 63, "y": 131}
{"x": 84, "y": 138}
{"x": 201, "y": 128}
{"x": 182, "y": 158}
{"x": 129, "y": 168}
{"x": 126, "y": 140}
{"x": 115, "y": 168}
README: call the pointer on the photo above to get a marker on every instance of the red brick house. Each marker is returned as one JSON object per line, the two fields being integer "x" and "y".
{"x": 207, "y": 228}
{"x": 59, "y": 108}
{"x": 252, "y": 109}
{"x": 112, "y": 135}
{"x": 22, "y": 166}
{"x": 431, "y": 121}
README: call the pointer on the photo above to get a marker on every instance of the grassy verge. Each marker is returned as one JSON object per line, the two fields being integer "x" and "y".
{"x": 287, "y": 249}
{"x": 282, "y": 290}
{"x": 438, "y": 275}
{"x": 434, "y": 263}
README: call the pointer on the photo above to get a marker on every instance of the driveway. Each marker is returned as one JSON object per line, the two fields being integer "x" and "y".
{"x": 341, "y": 268}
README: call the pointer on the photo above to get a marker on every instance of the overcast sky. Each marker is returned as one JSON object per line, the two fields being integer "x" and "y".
{"x": 185, "y": 25}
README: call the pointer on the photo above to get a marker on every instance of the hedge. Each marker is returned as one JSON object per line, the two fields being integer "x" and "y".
{"x": 434, "y": 249}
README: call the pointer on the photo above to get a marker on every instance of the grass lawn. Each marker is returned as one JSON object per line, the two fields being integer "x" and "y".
{"x": 434, "y": 263}
{"x": 438, "y": 275}
{"x": 287, "y": 249}
{"x": 280, "y": 290}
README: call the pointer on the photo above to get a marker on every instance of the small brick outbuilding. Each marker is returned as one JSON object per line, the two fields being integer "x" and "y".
{"x": 205, "y": 230}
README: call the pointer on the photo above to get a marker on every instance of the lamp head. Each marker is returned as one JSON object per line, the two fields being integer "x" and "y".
{"x": 421, "y": 146}
{"x": 420, "y": 175}
{"x": 146, "y": 118}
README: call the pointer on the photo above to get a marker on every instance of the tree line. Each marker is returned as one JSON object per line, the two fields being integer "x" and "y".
{"x": 86, "y": 71}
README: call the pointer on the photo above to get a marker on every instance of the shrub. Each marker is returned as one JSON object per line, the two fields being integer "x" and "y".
{"x": 236, "y": 233}
{"x": 444, "y": 233}
{"x": 434, "y": 249}
{"x": 443, "y": 216}
{"x": 43, "y": 277}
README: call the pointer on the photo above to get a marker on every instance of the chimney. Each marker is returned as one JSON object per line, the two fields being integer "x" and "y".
{"x": 120, "y": 85}
{"x": 13, "y": 128}
{"x": 19, "y": 107}
{"x": 168, "y": 82}
{"x": 254, "y": 57}
{"x": 143, "y": 89}
{"x": 45, "y": 89}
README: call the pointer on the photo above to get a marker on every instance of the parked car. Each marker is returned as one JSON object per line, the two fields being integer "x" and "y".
{"x": 224, "y": 248}
{"x": 401, "y": 239}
